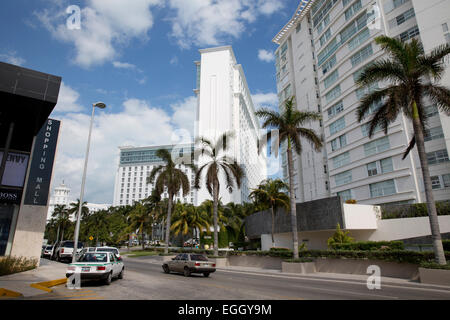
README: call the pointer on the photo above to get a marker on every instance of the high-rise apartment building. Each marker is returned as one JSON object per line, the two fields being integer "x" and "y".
{"x": 322, "y": 51}
{"x": 135, "y": 166}
{"x": 225, "y": 105}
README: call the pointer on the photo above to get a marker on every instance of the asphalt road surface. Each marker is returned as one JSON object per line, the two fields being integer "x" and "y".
{"x": 144, "y": 280}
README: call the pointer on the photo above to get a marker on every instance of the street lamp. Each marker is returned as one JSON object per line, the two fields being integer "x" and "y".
{"x": 100, "y": 105}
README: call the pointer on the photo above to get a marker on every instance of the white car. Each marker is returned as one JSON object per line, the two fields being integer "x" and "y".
{"x": 108, "y": 249}
{"x": 97, "y": 266}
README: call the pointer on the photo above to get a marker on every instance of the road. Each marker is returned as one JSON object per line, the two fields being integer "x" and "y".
{"x": 146, "y": 281}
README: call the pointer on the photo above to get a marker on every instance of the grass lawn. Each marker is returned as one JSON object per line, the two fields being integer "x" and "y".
{"x": 140, "y": 253}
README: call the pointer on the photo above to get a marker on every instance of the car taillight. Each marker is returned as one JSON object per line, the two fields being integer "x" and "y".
{"x": 197, "y": 264}
{"x": 62, "y": 250}
{"x": 101, "y": 268}
{"x": 214, "y": 265}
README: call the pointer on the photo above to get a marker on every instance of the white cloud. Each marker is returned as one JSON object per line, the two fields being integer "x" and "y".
{"x": 123, "y": 65}
{"x": 210, "y": 22}
{"x": 138, "y": 124}
{"x": 67, "y": 100}
{"x": 104, "y": 25}
{"x": 12, "y": 58}
{"x": 266, "y": 56}
{"x": 174, "y": 61}
{"x": 261, "y": 100}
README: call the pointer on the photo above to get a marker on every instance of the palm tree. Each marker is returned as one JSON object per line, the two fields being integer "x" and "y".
{"x": 139, "y": 219}
{"x": 187, "y": 218}
{"x": 218, "y": 163}
{"x": 289, "y": 125}
{"x": 62, "y": 215}
{"x": 272, "y": 193}
{"x": 169, "y": 178}
{"x": 408, "y": 70}
{"x": 75, "y": 207}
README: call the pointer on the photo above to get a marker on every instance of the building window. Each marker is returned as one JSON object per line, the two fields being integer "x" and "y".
{"x": 446, "y": 180}
{"x": 338, "y": 143}
{"x": 361, "y": 55}
{"x": 343, "y": 178}
{"x": 359, "y": 39}
{"x": 435, "y": 182}
{"x": 341, "y": 160}
{"x": 376, "y": 146}
{"x": 350, "y": 12}
{"x": 337, "y": 126}
{"x": 436, "y": 157}
{"x": 382, "y": 166}
{"x": 365, "y": 128}
{"x": 345, "y": 195}
{"x": 381, "y": 189}
{"x": 331, "y": 79}
{"x": 433, "y": 133}
{"x": 409, "y": 34}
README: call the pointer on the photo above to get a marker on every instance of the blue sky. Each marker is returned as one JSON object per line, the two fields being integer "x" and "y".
{"x": 138, "y": 57}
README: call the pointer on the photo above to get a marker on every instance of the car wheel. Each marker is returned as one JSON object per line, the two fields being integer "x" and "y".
{"x": 206, "y": 274}
{"x": 121, "y": 274}
{"x": 166, "y": 268}
{"x": 108, "y": 279}
{"x": 187, "y": 272}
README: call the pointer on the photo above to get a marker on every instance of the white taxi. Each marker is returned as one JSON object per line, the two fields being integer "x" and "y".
{"x": 97, "y": 266}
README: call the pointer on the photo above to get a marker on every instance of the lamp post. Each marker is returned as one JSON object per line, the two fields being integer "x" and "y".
{"x": 100, "y": 105}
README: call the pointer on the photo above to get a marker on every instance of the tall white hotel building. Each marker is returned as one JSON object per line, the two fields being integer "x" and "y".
{"x": 224, "y": 105}
{"x": 321, "y": 52}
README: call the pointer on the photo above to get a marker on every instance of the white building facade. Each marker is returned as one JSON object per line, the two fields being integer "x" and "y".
{"x": 225, "y": 105}
{"x": 61, "y": 196}
{"x": 136, "y": 164}
{"x": 322, "y": 51}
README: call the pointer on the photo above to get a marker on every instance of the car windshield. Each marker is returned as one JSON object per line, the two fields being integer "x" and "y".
{"x": 94, "y": 257}
{"x": 69, "y": 244}
{"x": 108, "y": 250}
{"x": 198, "y": 257}
{"x": 48, "y": 247}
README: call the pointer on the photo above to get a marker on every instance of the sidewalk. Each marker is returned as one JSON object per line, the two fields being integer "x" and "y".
{"x": 20, "y": 282}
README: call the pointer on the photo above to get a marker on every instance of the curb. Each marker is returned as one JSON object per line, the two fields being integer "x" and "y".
{"x": 47, "y": 284}
{"x": 9, "y": 293}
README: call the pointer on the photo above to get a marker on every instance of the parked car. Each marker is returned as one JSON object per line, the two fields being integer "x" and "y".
{"x": 188, "y": 263}
{"x": 47, "y": 251}
{"x": 64, "y": 250}
{"x": 97, "y": 266}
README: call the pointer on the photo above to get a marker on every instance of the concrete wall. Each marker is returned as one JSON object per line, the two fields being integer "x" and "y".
{"x": 316, "y": 215}
{"x": 29, "y": 232}
{"x": 361, "y": 217}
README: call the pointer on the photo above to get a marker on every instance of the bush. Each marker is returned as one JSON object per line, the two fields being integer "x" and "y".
{"x": 446, "y": 244}
{"x": 339, "y": 237}
{"x": 275, "y": 249}
{"x": 386, "y": 255}
{"x": 369, "y": 245}
{"x": 10, "y": 265}
{"x": 413, "y": 210}
{"x": 299, "y": 260}
{"x": 434, "y": 265}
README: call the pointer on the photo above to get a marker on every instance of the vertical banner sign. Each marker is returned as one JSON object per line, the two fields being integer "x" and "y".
{"x": 41, "y": 165}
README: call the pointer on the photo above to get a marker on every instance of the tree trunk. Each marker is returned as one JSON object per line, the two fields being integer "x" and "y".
{"x": 216, "y": 204}
{"x": 292, "y": 200}
{"x": 169, "y": 214}
{"x": 431, "y": 205}
{"x": 273, "y": 226}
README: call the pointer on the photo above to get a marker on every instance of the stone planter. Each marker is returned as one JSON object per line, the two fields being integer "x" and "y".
{"x": 220, "y": 262}
{"x": 435, "y": 276}
{"x": 298, "y": 267}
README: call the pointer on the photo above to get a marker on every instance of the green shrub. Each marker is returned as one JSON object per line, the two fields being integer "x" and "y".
{"x": 339, "y": 237}
{"x": 446, "y": 244}
{"x": 369, "y": 245}
{"x": 275, "y": 249}
{"x": 299, "y": 260}
{"x": 434, "y": 265}
{"x": 413, "y": 210}
{"x": 10, "y": 265}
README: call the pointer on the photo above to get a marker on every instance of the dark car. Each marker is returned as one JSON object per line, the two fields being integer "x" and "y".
{"x": 188, "y": 263}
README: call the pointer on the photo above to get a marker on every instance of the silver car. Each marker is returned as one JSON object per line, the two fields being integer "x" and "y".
{"x": 188, "y": 263}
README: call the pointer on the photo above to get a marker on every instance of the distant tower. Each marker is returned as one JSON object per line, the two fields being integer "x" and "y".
{"x": 60, "y": 196}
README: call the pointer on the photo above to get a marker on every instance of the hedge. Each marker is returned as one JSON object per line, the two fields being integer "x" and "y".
{"x": 434, "y": 265}
{"x": 446, "y": 244}
{"x": 385, "y": 255}
{"x": 370, "y": 245}
{"x": 413, "y": 210}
